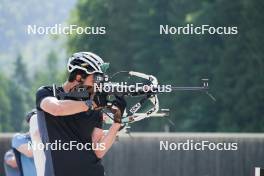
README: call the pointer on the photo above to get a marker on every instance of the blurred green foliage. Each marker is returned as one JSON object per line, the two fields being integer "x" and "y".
{"x": 233, "y": 63}
{"x": 17, "y": 94}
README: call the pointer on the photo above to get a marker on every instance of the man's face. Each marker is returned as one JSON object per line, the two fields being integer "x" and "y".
{"x": 89, "y": 80}
{"x": 93, "y": 78}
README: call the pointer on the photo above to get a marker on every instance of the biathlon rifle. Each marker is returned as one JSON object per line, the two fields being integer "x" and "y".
{"x": 133, "y": 115}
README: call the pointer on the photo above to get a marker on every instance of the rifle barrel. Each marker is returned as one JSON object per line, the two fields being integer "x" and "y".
{"x": 189, "y": 88}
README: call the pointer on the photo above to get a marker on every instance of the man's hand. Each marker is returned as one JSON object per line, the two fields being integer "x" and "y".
{"x": 11, "y": 162}
{"x": 117, "y": 114}
{"x": 100, "y": 99}
{"x": 118, "y": 108}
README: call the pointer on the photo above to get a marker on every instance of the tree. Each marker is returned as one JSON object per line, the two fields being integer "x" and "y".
{"x": 5, "y": 105}
{"x": 18, "y": 107}
{"x": 19, "y": 94}
{"x": 20, "y": 74}
{"x": 233, "y": 63}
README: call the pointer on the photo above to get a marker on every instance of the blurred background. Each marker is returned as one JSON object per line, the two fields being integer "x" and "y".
{"x": 233, "y": 63}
